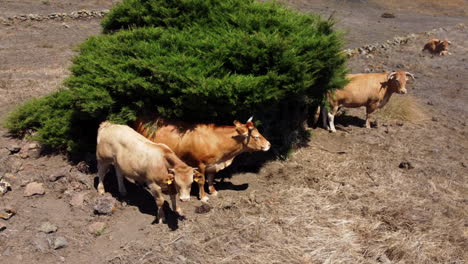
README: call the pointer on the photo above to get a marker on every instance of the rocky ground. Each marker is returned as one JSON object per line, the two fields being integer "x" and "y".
{"x": 396, "y": 193}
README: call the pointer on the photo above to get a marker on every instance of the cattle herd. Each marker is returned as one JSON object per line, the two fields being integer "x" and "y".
{"x": 168, "y": 156}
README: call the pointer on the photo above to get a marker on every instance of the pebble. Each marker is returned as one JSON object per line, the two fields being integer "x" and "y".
{"x": 4, "y": 186}
{"x": 34, "y": 188}
{"x": 406, "y": 165}
{"x": 2, "y": 227}
{"x": 77, "y": 199}
{"x": 60, "y": 242}
{"x": 63, "y": 172}
{"x": 14, "y": 148}
{"x": 48, "y": 228}
{"x": 104, "y": 205}
{"x": 97, "y": 228}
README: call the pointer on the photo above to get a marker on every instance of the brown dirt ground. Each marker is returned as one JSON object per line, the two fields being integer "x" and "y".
{"x": 341, "y": 199}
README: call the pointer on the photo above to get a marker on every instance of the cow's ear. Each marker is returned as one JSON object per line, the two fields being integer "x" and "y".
{"x": 237, "y": 123}
{"x": 171, "y": 171}
{"x": 250, "y": 125}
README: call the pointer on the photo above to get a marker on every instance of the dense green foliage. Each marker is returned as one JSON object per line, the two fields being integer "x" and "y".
{"x": 195, "y": 60}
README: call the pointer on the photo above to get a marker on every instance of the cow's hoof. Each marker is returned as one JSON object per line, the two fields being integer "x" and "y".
{"x": 205, "y": 199}
{"x": 181, "y": 217}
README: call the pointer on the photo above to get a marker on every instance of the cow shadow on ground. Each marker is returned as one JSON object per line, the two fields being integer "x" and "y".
{"x": 138, "y": 196}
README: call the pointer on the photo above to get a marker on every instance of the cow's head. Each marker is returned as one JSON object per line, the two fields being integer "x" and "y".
{"x": 251, "y": 138}
{"x": 182, "y": 176}
{"x": 397, "y": 81}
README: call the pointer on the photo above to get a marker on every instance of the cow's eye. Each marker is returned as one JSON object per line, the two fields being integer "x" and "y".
{"x": 256, "y": 137}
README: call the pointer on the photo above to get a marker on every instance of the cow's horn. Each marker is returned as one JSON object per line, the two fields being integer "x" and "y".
{"x": 391, "y": 75}
{"x": 250, "y": 119}
{"x": 410, "y": 75}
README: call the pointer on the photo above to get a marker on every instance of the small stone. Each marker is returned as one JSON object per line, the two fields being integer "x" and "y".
{"x": 14, "y": 148}
{"x": 104, "y": 205}
{"x": 2, "y": 227}
{"x": 63, "y": 172}
{"x": 97, "y": 228}
{"x": 406, "y": 165}
{"x": 82, "y": 167}
{"x": 4, "y": 187}
{"x": 65, "y": 25}
{"x": 203, "y": 209}
{"x": 60, "y": 242}
{"x": 7, "y": 212}
{"x": 388, "y": 15}
{"x": 430, "y": 103}
{"x": 435, "y": 119}
{"x": 34, "y": 188}
{"x": 77, "y": 199}
{"x": 399, "y": 123}
{"x": 48, "y": 228}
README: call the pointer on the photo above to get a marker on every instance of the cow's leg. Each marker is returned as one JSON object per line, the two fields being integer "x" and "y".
{"x": 201, "y": 184}
{"x": 175, "y": 206}
{"x": 155, "y": 190}
{"x": 369, "y": 110}
{"x": 331, "y": 118}
{"x": 211, "y": 188}
{"x": 103, "y": 167}
{"x": 120, "y": 181}
{"x": 325, "y": 118}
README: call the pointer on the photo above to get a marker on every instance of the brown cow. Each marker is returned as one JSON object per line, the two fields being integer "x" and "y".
{"x": 209, "y": 147}
{"x": 143, "y": 161}
{"x": 437, "y": 47}
{"x": 372, "y": 90}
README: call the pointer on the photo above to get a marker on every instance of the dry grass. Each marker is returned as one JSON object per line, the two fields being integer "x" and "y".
{"x": 402, "y": 108}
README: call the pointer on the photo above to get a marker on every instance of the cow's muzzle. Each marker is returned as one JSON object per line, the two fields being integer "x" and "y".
{"x": 404, "y": 91}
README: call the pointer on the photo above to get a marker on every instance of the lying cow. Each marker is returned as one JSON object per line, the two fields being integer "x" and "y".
{"x": 372, "y": 90}
{"x": 437, "y": 47}
{"x": 208, "y": 147}
{"x": 142, "y": 161}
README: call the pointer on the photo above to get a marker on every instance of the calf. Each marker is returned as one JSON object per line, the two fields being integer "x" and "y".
{"x": 143, "y": 161}
{"x": 372, "y": 90}
{"x": 209, "y": 147}
{"x": 437, "y": 47}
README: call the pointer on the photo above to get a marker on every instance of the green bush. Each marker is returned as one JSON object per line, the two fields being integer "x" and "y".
{"x": 193, "y": 60}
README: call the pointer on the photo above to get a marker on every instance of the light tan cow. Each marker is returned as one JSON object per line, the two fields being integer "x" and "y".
{"x": 372, "y": 90}
{"x": 142, "y": 161}
{"x": 437, "y": 47}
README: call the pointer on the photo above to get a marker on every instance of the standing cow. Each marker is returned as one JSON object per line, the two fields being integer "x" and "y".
{"x": 208, "y": 147}
{"x": 143, "y": 161}
{"x": 372, "y": 90}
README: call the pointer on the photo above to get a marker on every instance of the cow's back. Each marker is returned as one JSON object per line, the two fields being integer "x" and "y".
{"x": 361, "y": 88}
{"x": 132, "y": 152}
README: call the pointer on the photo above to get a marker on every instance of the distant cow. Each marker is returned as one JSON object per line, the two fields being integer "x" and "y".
{"x": 142, "y": 161}
{"x": 372, "y": 90}
{"x": 437, "y": 47}
{"x": 208, "y": 147}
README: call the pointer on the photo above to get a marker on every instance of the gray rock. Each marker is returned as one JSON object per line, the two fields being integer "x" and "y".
{"x": 2, "y": 227}
{"x": 34, "y": 188}
{"x": 97, "y": 228}
{"x": 48, "y": 228}
{"x": 4, "y": 187}
{"x": 60, "y": 173}
{"x": 60, "y": 242}
{"x": 406, "y": 165}
{"x": 104, "y": 205}
{"x": 15, "y": 148}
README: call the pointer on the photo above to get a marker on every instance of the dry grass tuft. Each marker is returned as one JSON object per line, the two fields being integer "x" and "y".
{"x": 403, "y": 108}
